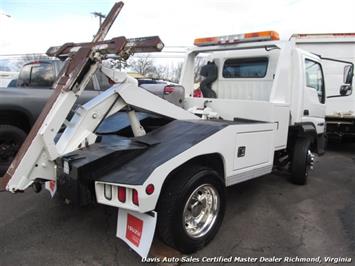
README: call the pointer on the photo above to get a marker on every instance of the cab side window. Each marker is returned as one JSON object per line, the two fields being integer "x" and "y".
{"x": 315, "y": 79}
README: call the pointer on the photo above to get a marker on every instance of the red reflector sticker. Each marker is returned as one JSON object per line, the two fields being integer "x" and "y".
{"x": 134, "y": 229}
{"x": 52, "y": 185}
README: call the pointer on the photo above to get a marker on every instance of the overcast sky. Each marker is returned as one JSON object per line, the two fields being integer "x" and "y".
{"x": 34, "y": 25}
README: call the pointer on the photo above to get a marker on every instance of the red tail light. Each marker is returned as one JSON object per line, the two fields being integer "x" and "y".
{"x": 149, "y": 189}
{"x": 168, "y": 90}
{"x": 135, "y": 197}
{"x": 121, "y": 194}
{"x": 198, "y": 93}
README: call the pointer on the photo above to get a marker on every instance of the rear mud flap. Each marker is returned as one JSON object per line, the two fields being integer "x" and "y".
{"x": 137, "y": 230}
{"x": 51, "y": 186}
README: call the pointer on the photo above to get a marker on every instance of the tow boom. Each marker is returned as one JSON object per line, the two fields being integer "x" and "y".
{"x": 35, "y": 159}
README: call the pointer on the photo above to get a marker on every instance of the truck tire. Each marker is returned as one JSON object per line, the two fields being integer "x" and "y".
{"x": 191, "y": 209}
{"x": 11, "y": 138}
{"x": 302, "y": 161}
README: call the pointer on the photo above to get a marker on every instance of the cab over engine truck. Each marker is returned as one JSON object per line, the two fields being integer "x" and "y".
{"x": 170, "y": 168}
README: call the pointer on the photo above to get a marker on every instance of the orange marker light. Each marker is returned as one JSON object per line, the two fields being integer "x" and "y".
{"x": 238, "y": 38}
{"x": 271, "y": 35}
{"x": 206, "y": 41}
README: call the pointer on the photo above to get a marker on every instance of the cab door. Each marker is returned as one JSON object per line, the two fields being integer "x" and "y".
{"x": 314, "y": 94}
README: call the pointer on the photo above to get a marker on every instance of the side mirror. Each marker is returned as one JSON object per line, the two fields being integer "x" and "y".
{"x": 345, "y": 90}
{"x": 348, "y": 74}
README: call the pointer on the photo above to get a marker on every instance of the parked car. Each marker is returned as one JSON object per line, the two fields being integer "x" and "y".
{"x": 169, "y": 91}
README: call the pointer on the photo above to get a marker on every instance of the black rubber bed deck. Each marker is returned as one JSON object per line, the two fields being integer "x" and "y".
{"x": 130, "y": 161}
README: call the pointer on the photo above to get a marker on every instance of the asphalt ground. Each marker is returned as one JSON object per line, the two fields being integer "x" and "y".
{"x": 265, "y": 217}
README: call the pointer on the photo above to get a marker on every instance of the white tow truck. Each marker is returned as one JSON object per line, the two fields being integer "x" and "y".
{"x": 340, "y": 106}
{"x": 169, "y": 167}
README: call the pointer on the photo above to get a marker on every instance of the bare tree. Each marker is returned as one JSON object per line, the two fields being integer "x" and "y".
{"x": 177, "y": 72}
{"x": 170, "y": 72}
{"x": 142, "y": 64}
{"x": 160, "y": 72}
{"x": 199, "y": 62}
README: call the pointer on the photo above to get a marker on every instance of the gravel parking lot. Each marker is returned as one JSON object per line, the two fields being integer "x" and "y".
{"x": 265, "y": 217}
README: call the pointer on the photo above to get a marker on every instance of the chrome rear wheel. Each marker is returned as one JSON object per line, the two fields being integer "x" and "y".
{"x": 191, "y": 208}
{"x": 200, "y": 211}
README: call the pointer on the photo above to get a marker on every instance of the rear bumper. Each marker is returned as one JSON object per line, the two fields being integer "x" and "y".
{"x": 78, "y": 171}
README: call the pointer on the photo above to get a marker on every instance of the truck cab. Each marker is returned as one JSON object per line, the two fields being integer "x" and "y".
{"x": 263, "y": 78}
